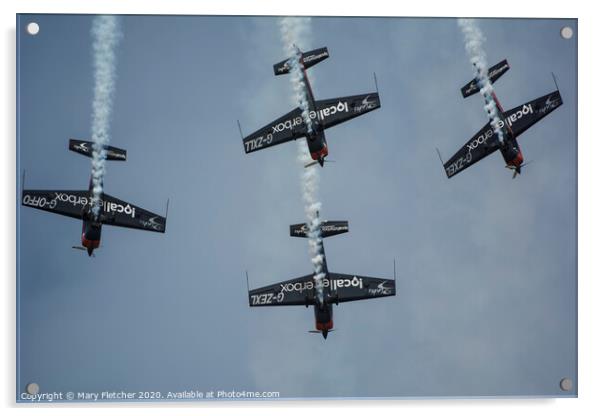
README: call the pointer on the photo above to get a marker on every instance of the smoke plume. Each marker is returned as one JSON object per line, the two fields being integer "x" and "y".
{"x": 473, "y": 43}
{"x": 293, "y": 31}
{"x": 105, "y": 37}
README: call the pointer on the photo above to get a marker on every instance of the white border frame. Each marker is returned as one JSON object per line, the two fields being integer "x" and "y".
{"x": 589, "y": 197}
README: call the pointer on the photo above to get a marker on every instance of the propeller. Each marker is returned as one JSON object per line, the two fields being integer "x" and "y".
{"x": 82, "y": 249}
{"x": 315, "y": 162}
{"x": 321, "y": 332}
{"x": 516, "y": 169}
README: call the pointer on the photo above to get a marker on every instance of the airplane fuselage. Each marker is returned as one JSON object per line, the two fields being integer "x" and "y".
{"x": 318, "y": 149}
{"x": 91, "y": 231}
{"x": 323, "y": 313}
{"x": 91, "y": 227}
{"x": 316, "y": 140}
{"x": 512, "y": 154}
{"x": 510, "y": 149}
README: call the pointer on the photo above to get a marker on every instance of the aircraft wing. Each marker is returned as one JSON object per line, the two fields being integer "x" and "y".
{"x": 479, "y": 146}
{"x": 297, "y": 291}
{"x": 288, "y": 127}
{"x": 114, "y": 211}
{"x": 123, "y": 214}
{"x": 68, "y": 203}
{"x": 347, "y": 288}
{"x": 519, "y": 119}
{"x": 338, "y": 110}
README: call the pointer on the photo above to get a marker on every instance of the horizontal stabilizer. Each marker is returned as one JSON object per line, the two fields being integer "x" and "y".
{"x": 85, "y": 148}
{"x": 308, "y": 59}
{"x": 494, "y": 73}
{"x": 327, "y": 229}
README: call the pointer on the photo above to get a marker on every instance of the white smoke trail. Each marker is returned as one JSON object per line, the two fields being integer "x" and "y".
{"x": 293, "y": 29}
{"x": 473, "y": 43}
{"x": 309, "y": 188}
{"x": 105, "y": 37}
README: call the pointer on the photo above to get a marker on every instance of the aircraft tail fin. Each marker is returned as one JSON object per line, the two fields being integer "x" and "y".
{"x": 494, "y": 73}
{"x": 85, "y": 148}
{"x": 308, "y": 59}
{"x": 327, "y": 229}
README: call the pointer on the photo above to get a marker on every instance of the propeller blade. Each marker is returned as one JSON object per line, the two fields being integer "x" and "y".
{"x": 517, "y": 170}
{"x": 316, "y": 162}
{"x": 526, "y": 163}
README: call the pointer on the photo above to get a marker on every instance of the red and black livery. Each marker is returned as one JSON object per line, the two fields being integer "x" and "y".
{"x": 510, "y": 124}
{"x": 319, "y": 116}
{"x": 335, "y": 287}
{"x": 78, "y": 204}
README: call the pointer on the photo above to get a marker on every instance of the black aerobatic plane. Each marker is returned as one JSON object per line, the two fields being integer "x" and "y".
{"x": 511, "y": 123}
{"x": 336, "y": 287}
{"x": 321, "y": 114}
{"x": 78, "y": 204}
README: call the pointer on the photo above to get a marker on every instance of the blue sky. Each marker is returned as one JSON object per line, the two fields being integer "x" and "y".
{"x": 486, "y": 265}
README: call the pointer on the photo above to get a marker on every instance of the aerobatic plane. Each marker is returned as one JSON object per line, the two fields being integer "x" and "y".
{"x": 511, "y": 124}
{"x": 320, "y": 115}
{"x": 78, "y": 204}
{"x": 336, "y": 287}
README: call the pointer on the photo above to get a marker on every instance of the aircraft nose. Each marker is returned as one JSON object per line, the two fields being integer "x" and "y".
{"x": 324, "y": 334}
{"x": 519, "y": 160}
